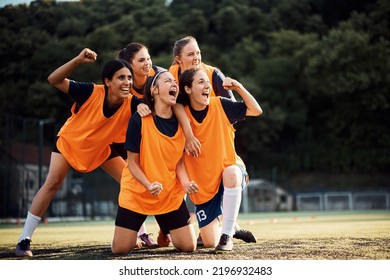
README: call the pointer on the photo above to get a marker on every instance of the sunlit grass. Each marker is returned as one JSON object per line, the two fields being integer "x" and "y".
{"x": 293, "y": 235}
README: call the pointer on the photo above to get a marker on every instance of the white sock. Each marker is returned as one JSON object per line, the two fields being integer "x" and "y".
{"x": 31, "y": 224}
{"x": 142, "y": 230}
{"x": 230, "y": 207}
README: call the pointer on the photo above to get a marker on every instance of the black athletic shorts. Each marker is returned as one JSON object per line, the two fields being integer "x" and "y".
{"x": 117, "y": 149}
{"x": 167, "y": 222}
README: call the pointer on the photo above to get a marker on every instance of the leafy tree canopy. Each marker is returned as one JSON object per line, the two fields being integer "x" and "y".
{"x": 319, "y": 69}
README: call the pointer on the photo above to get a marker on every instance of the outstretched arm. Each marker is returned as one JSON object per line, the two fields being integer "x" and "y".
{"x": 253, "y": 107}
{"x": 58, "y": 78}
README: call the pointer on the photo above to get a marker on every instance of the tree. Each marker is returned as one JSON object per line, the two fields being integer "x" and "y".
{"x": 346, "y": 72}
{"x": 319, "y": 68}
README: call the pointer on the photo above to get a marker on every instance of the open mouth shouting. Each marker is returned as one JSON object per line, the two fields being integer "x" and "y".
{"x": 173, "y": 92}
{"x": 206, "y": 94}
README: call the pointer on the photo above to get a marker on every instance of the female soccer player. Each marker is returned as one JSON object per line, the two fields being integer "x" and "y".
{"x": 92, "y": 137}
{"x": 218, "y": 171}
{"x": 137, "y": 55}
{"x": 186, "y": 55}
{"x": 155, "y": 179}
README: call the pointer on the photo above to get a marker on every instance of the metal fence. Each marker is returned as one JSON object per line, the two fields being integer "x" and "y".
{"x": 370, "y": 200}
{"x": 26, "y": 146}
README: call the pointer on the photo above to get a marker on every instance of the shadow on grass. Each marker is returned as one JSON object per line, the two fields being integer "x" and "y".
{"x": 344, "y": 248}
{"x": 100, "y": 252}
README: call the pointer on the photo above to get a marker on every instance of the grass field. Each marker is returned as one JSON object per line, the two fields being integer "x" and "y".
{"x": 280, "y": 236}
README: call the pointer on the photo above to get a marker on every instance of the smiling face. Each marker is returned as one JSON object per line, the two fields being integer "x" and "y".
{"x": 141, "y": 65}
{"x": 165, "y": 89}
{"x": 190, "y": 56}
{"x": 199, "y": 92}
{"x": 120, "y": 83}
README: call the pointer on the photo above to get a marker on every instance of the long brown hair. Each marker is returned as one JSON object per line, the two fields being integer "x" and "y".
{"x": 129, "y": 51}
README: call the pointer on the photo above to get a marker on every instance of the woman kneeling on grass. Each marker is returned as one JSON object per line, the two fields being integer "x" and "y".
{"x": 155, "y": 179}
{"x": 219, "y": 171}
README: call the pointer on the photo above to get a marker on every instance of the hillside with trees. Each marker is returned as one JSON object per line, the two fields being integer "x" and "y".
{"x": 320, "y": 70}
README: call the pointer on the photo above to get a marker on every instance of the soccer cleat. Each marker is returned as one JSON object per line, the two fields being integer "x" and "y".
{"x": 23, "y": 248}
{"x": 244, "y": 235}
{"x": 162, "y": 239}
{"x": 225, "y": 244}
{"x": 147, "y": 241}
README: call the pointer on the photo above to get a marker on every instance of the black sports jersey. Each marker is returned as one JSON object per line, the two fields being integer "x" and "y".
{"x": 133, "y": 136}
{"x": 234, "y": 110}
{"x": 217, "y": 82}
